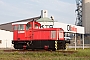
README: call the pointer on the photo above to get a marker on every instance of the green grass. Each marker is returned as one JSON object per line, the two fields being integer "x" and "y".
{"x": 46, "y": 55}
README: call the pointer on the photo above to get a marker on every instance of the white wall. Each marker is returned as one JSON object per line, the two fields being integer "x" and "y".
{"x": 64, "y": 26}
{"x": 6, "y": 38}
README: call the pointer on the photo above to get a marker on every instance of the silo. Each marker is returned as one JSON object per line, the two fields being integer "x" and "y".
{"x": 86, "y": 15}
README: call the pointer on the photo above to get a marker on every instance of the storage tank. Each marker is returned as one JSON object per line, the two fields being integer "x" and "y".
{"x": 86, "y": 15}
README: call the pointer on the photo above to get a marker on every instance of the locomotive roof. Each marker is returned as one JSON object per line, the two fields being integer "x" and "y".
{"x": 20, "y": 23}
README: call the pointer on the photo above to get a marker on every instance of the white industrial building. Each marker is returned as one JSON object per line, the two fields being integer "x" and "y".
{"x": 6, "y": 38}
{"x": 6, "y": 34}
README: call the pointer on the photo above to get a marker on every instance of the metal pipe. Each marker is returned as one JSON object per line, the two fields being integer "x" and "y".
{"x": 83, "y": 41}
{"x": 75, "y": 41}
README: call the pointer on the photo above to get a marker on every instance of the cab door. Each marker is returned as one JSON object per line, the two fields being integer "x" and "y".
{"x": 15, "y": 32}
{"x": 28, "y": 31}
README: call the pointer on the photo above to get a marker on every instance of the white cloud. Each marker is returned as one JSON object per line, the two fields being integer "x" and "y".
{"x": 63, "y": 12}
{"x": 1, "y": 2}
{"x": 13, "y": 11}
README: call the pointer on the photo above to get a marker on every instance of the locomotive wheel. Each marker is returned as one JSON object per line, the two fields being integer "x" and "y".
{"x": 18, "y": 46}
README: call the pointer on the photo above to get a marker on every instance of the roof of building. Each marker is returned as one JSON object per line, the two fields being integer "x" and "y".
{"x": 45, "y": 20}
{"x": 8, "y": 26}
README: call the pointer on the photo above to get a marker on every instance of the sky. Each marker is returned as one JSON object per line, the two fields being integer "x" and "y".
{"x": 14, "y": 10}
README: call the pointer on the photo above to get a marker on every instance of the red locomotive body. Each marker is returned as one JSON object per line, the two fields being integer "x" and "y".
{"x": 33, "y": 36}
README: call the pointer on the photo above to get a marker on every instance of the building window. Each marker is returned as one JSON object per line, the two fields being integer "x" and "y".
{"x": 0, "y": 41}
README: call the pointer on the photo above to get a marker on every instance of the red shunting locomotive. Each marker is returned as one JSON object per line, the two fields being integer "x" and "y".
{"x": 32, "y": 36}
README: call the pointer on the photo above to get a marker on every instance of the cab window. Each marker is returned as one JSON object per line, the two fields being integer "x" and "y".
{"x": 36, "y": 26}
{"x": 28, "y": 26}
{"x": 15, "y": 27}
{"x": 20, "y": 27}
